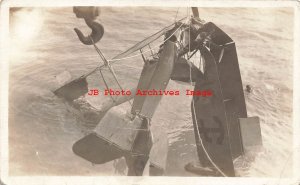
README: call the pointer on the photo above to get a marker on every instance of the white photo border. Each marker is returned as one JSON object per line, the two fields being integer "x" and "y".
{"x": 4, "y": 62}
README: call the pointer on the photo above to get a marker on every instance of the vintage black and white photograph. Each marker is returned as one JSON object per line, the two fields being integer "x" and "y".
{"x": 151, "y": 91}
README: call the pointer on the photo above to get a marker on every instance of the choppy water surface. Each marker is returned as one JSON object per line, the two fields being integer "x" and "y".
{"x": 42, "y": 129}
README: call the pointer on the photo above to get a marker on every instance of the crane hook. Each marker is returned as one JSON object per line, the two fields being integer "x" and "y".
{"x": 95, "y": 36}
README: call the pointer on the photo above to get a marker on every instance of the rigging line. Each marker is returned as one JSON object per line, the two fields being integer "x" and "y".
{"x": 106, "y": 85}
{"x": 157, "y": 46}
{"x": 195, "y": 118}
{"x": 129, "y": 66}
{"x": 124, "y": 128}
{"x": 106, "y": 63}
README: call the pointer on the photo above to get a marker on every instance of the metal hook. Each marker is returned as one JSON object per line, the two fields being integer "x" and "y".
{"x": 96, "y": 35}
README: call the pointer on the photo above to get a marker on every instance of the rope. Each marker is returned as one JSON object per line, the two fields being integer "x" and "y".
{"x": 157, "y": 46}
{"x": 195, "y": 115}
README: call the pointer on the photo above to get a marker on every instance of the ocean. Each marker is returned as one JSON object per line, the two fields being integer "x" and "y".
{"x": 42, "y": 129}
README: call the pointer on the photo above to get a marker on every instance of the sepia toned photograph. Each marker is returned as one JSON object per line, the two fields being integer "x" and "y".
{"x": 162, "y": 91}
